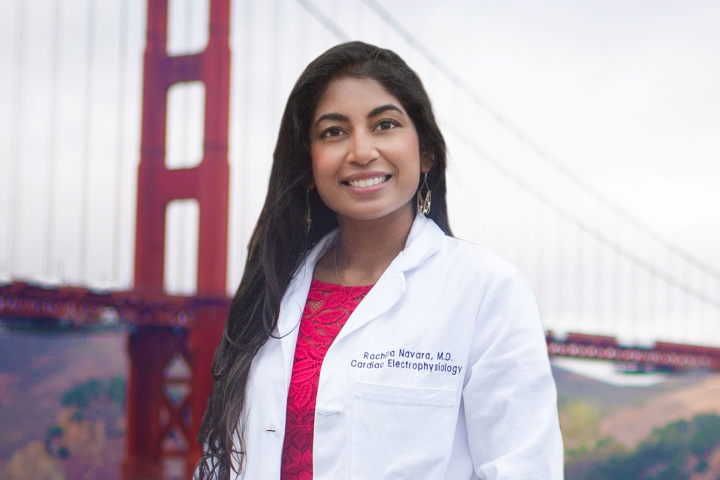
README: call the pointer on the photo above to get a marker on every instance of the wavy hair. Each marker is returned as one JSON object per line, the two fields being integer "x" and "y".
{"x": 279, "y": 242}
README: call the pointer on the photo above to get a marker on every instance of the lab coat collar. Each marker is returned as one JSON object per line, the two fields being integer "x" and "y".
{"x": 424, "y": 241}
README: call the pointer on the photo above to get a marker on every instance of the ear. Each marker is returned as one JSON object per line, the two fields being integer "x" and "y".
{"x": 426, "y": 162}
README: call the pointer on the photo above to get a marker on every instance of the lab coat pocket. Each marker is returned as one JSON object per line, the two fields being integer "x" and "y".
{"x": 401, "y": 432}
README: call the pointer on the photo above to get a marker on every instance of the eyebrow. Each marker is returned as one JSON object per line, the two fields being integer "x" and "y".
{"x": 339, "y": 117}
{"x": 383, "y": 108}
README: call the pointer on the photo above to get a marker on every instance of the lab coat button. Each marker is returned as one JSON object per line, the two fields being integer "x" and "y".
{"x": 271, "y": 429}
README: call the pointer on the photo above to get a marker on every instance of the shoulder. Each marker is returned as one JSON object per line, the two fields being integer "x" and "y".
{"x": 430, "y": 248}
{"x": 478, "y": 262}
{"x": 474, "y": 276}
{"x": 454, "y": 268}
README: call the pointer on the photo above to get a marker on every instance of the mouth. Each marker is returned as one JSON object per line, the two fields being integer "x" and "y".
{"x": 368, "y": 182}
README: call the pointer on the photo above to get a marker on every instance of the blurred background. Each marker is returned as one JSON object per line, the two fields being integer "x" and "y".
{"x": 583, "y": 148}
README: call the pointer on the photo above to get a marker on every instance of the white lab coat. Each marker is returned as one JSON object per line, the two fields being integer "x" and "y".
{"x": 441, "y": 372}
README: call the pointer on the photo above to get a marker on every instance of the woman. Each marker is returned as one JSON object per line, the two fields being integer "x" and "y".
{"x": 364, "y": 341}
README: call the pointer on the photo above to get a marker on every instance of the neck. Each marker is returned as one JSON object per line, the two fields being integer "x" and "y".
{"x": 366, "y": 248}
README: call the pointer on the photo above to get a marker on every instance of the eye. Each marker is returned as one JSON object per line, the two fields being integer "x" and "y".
{"x": 387, "y": 124}
{"x": 331, "y": 132}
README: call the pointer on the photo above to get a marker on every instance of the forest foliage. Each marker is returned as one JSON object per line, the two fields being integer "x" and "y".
{"x": 672, "y": 452}
{"x": 92, "y": 400}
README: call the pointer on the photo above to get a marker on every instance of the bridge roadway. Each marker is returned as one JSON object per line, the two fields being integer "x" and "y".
{"x": 82, "y": 307}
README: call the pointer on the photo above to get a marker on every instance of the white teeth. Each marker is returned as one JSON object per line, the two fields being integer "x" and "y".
{"x": 367, "y": 183}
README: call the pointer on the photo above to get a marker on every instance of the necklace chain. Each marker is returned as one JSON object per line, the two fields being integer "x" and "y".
{"x": 337, "y": 274}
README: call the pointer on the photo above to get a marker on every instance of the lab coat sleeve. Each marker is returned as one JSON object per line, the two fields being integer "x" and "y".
{"x": 509, "y": 398}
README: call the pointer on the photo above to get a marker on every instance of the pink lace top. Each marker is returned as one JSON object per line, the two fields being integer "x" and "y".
{"x": 326, "y": 311}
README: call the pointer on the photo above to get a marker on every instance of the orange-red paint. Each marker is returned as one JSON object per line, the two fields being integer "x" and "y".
{"x": 149, "y": 415}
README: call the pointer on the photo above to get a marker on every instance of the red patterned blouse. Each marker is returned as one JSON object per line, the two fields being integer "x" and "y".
{"x": 326, "y": 311}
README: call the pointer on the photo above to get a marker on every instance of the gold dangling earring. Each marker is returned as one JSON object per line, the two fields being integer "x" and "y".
{"x": 423, "y": 205}
{"x": 308, "y": 218}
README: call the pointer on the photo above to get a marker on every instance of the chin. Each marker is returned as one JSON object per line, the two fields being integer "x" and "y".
{"x": 367, "y": 215}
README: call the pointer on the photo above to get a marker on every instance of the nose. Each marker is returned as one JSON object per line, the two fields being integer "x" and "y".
{"x": 361, "y": 148}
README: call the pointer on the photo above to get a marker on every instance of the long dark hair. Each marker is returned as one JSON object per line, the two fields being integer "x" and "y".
{"x": 279, "y": 242}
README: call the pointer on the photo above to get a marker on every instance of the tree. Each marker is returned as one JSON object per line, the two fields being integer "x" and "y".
{"x": 665, "y": 455}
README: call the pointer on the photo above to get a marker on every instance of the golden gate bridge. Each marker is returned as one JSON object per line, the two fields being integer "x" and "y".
{"x": 139, "y": 148}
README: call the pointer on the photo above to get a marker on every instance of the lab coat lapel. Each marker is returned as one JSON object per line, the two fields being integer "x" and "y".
{"x": 424, "y": 241}
{"x": 388, "y": 290}
{"x": 293, "y": 303}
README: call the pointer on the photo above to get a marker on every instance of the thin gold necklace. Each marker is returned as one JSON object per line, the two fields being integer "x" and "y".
{"x": 337, "y": 274}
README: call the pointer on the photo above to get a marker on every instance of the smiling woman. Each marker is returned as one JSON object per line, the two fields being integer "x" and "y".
{"x": 365, "y": 165}
{"x": 364, "y": 341}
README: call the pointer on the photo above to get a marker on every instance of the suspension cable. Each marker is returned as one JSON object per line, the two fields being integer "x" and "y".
{"x": 51, "y": 145}
{"x": 15, "y": 138}
{"x": 244, "y": 170}
{"x": 277, "y": 41}
{"x": 85, "y": 173}
{"x": 581, "y": 225}
{"x": 595, "y": 234}
{"x": 534, "y": 146}
{"x": 119, "y": 143}
{"x": 557, "y": 165}
{"x": 324, "y": 20}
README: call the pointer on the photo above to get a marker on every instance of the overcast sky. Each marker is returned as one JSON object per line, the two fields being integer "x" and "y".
{"x": 625, "y": 93}
{"x": 622, "y": 93}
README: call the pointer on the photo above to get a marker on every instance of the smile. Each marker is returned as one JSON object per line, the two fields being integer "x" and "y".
{"x": 369, "y": 182}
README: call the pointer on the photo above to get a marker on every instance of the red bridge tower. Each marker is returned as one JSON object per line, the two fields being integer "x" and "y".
{"x": 166, "y": 401}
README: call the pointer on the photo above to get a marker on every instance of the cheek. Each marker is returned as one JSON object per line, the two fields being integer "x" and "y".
{"x": 408, "y": 153}
{"x": 408, "y": 147}
{"x": 321, "y": 156}
{"x": 317, "y": 161}
{"x": 320, "y": 171}
{"x": 324, "y": 172}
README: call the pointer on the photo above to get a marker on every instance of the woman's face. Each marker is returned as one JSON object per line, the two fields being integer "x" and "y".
{"x": 365, "y": 151}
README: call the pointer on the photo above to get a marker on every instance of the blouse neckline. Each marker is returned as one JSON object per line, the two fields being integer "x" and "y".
{"x": 336, "y": 286}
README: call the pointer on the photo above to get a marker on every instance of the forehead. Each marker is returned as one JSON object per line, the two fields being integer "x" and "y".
{"x": 354, "y": 95}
